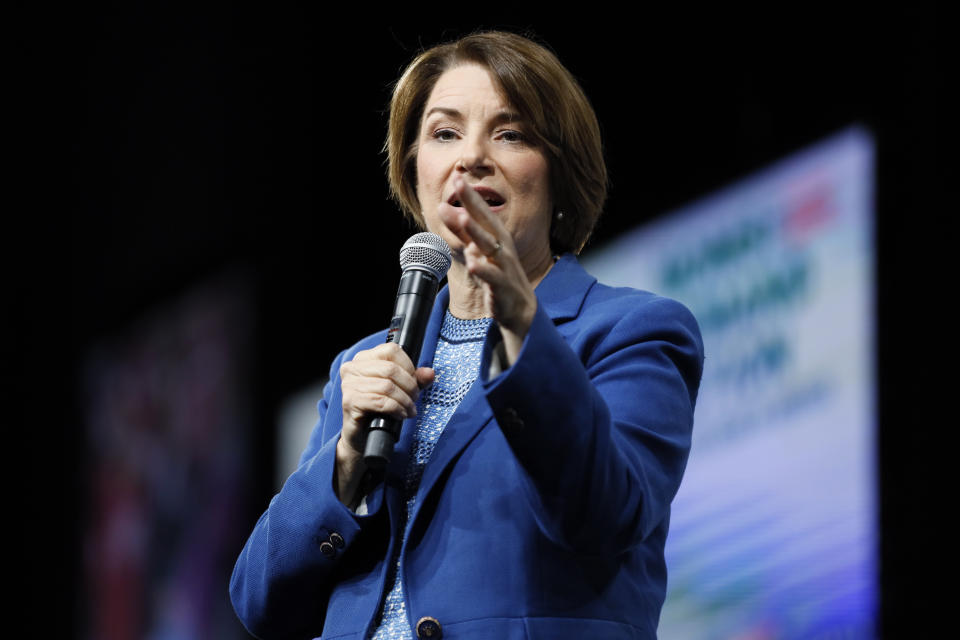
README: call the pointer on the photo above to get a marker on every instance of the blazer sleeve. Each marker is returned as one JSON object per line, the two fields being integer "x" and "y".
{"x": 282, "y": 579}
{"x": 600, "y": 419}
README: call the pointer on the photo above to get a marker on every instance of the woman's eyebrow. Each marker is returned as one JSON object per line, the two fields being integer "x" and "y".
{"x": 447, "y": 111}
{"x": 507, "y": 116}
{"x": 500, "y": 118}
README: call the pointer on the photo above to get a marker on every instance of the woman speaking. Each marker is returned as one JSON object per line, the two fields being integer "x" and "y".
{"x": 548, "y": 421}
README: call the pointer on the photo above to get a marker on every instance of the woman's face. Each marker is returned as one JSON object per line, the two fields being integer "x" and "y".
{"x": 469, "y": 129}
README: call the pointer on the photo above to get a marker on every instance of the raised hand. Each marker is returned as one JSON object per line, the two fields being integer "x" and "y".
{"x": 490, "y": 256}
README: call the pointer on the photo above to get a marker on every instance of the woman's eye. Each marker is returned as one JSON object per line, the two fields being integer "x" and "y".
{"x": 444, "y": 134}
{"x": 512, "y": 136}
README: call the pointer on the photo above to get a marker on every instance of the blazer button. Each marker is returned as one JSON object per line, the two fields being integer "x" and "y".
{"x": 336, "y": 540}
{"x": 327, "y": 549}
{"x": 428, "y": 627}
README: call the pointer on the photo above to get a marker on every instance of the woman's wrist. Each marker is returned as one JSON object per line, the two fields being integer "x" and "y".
{"x": 514, "y": 335}
{"x": 349, "y": 470}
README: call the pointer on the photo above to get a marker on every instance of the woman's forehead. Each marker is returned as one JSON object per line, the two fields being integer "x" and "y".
{"x": 469, "y": 88}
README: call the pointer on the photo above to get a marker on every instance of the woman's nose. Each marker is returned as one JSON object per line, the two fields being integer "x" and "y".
{"x": 474, "y": 157}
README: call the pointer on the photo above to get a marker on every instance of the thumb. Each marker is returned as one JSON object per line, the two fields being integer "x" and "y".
{"x": 424, "y": 376}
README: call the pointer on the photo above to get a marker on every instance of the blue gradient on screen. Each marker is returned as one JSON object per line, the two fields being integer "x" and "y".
{"x": 774, "y": 531}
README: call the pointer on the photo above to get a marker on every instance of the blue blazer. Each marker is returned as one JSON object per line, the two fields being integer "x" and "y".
{"x": 543, "y": 510}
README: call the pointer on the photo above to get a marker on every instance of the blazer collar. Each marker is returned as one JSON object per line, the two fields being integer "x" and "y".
{"x": 563, "y": 290}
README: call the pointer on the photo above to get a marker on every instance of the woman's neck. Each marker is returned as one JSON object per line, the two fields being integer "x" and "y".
{"x": 468, "y": 298}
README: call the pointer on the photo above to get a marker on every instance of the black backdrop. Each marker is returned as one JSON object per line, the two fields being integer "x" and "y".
{"x": 171, "y": 144}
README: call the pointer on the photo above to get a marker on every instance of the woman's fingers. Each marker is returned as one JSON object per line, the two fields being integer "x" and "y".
{"x": 386, "y": 361}
{"x": 491, "y": 257}
{"x": 378, "y": 381}
{"x": 481, "y": 225}
{"x": 424, "y": 376}
{"x": 481, "y": 265}
{"x": 455, "y": 221}
{"x": 381, "y": 381}
{"x": 377, "y": 396}
{"x": 487, "y": 243}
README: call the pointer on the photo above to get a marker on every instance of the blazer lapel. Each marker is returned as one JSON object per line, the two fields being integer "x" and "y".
{"x": 561, "y": 293}
{"x": 564, "y": 289}
{"x": 471, "y": 416}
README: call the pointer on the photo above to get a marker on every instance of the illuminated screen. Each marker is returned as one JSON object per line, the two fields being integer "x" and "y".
{"x": 774, "y": 531}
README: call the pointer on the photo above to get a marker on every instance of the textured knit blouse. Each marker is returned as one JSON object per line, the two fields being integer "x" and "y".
{"x": 456, "y": 363}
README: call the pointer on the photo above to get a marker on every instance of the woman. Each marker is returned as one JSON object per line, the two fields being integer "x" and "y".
{"x": 533, "y": 503}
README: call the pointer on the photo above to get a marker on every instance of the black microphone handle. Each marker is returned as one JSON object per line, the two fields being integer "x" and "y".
{"x": 411, "y": 313}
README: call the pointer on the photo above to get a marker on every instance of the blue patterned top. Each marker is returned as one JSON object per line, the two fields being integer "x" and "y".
{"x": 457, "y": 364}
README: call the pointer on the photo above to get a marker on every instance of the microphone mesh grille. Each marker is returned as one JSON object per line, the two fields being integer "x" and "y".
{"x": 427, "y": 251}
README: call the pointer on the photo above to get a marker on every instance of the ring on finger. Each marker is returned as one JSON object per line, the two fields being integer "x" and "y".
{"x": 496, "y": 249}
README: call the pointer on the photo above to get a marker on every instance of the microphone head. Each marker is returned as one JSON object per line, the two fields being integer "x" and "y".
{"x": 426, "y": 251}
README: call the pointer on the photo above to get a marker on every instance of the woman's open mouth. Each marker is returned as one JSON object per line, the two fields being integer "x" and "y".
{"x": 491, "y": 197}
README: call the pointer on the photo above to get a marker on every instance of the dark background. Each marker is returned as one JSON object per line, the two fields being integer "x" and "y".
{"x": 165, "y": 145}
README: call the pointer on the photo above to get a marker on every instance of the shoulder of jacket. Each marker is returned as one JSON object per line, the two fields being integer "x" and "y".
{"x": 621, "y": 301}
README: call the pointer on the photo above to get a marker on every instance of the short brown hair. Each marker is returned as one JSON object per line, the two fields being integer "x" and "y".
{"x": 546, "y": 95}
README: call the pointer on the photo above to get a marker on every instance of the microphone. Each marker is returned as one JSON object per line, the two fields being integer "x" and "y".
{"x": 424, "y": 260}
